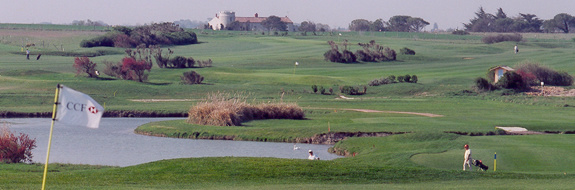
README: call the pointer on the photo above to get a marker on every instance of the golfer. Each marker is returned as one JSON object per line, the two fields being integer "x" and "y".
{"x": 467, "y": 157}
{"x": 311, "y": 156}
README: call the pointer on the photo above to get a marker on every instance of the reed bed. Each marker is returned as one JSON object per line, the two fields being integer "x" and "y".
{"x": 224, "y": 109}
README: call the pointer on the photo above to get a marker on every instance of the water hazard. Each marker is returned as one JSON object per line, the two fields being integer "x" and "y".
{"x": 115, "y": 144}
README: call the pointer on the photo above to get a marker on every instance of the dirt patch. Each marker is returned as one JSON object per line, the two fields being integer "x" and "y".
{"x": 398, "y": 112}
{"x": 551, "y": 91}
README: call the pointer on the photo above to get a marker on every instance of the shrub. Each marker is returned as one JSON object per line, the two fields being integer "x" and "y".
{"x": 460, "y": 32}
{"x": 105, "y": 40}
{"x": 321, "y": 90}
{"x": 406, "y": 51}
{"x": 414, "y": 79}
{"x": 352, "y": 90}
{"x": 407, "y": 78}
{"x": 482, "y": 84}
{"x": 191, "y": 62}
{"x": 15, "y": 149}
{"x": 178, "y": 62}
{"x": 533, "y": 73}
{"x": 113, "y": 69}
{"x": 207, "y": 63}
{"x": 181, "y": 37}
{"x": 490, "y": 39}
{"x": 400, "y": 78}
{"x": 135, "y": 70}
{"x": 391, "y": 78}
{"x": 390, "y": 54}
{"x": 314, "y": 88}
{"x": 221, "y": 110}
{"x": 333, "y": 56}
{"x": 84, "y": 65}
{"x": 512, "y": 80}
{"x": 191, "y": 77}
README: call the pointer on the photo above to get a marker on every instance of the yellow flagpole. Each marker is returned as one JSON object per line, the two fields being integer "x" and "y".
{"x": 50, "y": 138}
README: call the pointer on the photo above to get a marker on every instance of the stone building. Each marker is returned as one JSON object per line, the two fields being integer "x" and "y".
{"x": 225, "y": 18}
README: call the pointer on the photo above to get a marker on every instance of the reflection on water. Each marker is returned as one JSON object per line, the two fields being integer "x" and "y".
{"x": 115, "y": 144}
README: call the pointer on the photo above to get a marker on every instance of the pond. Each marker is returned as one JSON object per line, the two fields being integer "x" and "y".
{"x": 116, "y": 144}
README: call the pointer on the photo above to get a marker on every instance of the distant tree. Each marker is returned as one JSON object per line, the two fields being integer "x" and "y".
{"x": 399, "y": 23}
{"x": 322, "y": 27}
{"x": 274, "y": 23}
{"x": 359, "y": 25}
{"x": 500, "y": 14}
{"x": 416, "y": 24}
{"x": 378, "y": 25}
{"x": 481, "y": 22}
{"x": 527, "y": 23}
{"x": 562, "y": 22}
{"x": 307, "y": 26}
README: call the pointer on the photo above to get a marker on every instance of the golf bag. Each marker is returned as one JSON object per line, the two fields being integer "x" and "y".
{"x": 480, "y": 164}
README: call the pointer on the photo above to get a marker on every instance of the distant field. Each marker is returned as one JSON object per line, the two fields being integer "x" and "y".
{"x": 263, "y": 67}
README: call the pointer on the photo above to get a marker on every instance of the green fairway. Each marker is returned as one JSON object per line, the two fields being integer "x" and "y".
{"x": 428, "y": 156}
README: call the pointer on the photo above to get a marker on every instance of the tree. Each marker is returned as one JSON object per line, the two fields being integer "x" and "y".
{"x": 562, "y": 21}
{"x": 378, "y": 25}
{"x": 399, "y": 23}
{"x": 359, "y": 25}
{"x": 84, "y": 65}
{"x": 500, "y": 14}
{"x": 307, "y": 26}
{"x": 481, "y": 22}
{"x": 274, "y": 23}
{"x": 527, "y": 23}
{"x": 416, "y": 24}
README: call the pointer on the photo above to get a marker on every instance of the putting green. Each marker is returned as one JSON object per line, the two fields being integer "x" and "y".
{"x": 551, "y": 154}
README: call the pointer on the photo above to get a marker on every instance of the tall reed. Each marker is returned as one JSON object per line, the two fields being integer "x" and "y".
{"x": 224, "y": 109}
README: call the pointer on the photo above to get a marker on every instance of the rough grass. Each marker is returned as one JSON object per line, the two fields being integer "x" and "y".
{"x": 220, "y": 110}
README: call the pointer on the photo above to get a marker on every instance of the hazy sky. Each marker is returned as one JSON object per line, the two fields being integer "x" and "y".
{"x": 336, "y": 13}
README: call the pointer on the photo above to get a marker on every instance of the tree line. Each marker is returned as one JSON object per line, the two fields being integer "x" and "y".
{"x": 399, "y": 23}
{"x": 500, "y": 22}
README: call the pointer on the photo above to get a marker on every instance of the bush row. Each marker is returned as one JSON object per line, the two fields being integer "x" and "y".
{"x": 392, "y": 79}
{"x": 166, "y": 33}
{"x": 321, "y": 90}
{"x": 371, "y": 52}
{"x": 490, "y": 39}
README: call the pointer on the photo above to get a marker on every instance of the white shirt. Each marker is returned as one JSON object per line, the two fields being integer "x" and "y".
{"x": 312, "y": 157}
{"x": 467, "y": 154}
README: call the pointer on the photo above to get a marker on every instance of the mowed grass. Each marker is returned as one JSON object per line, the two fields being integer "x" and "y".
{"x": 263, "y": 66}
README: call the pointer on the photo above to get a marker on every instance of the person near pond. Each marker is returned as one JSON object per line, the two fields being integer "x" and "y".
{"x": 312, "y": 156}
{"x": 467, "y": 157}
{"x": 27, "y": 54}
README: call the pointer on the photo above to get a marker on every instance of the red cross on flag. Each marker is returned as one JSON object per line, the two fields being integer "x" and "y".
{"x": 76, "y": 108}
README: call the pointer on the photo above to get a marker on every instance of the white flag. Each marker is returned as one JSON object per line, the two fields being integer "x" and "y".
{"x": 77, "y": 108}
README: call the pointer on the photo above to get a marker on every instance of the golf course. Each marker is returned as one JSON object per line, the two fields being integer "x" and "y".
{"x": 428, "y": 121}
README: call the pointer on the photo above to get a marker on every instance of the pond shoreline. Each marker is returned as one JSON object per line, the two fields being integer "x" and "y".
{"x": 112, "y": 113}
